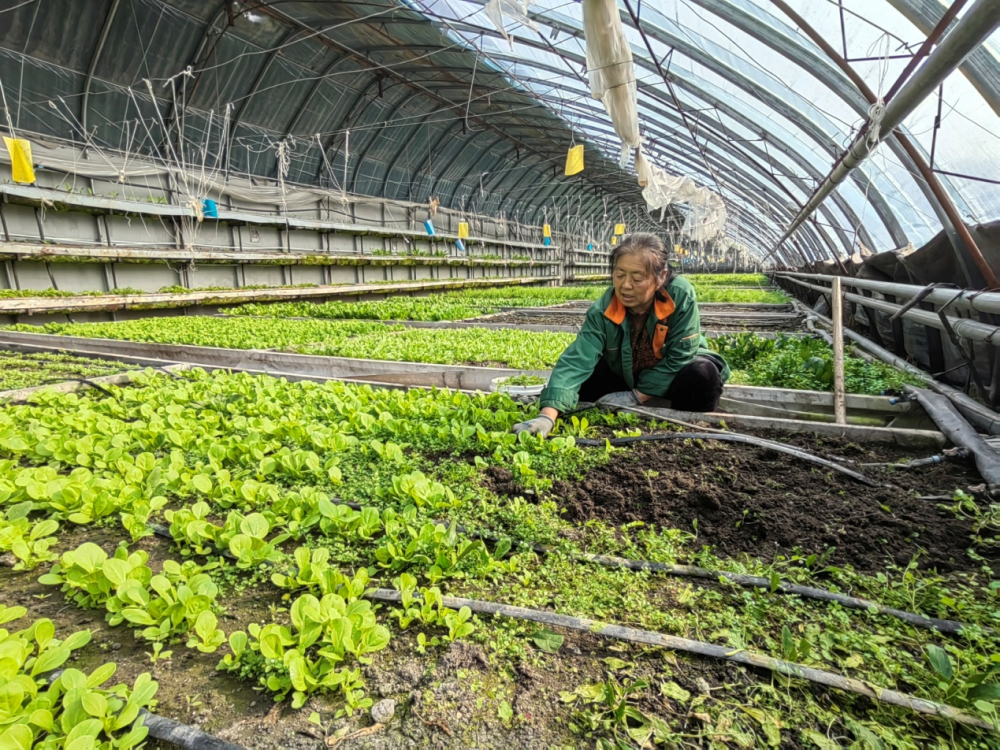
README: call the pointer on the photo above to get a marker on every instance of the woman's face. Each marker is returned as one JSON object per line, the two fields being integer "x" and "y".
{"x": 634, "y": 284}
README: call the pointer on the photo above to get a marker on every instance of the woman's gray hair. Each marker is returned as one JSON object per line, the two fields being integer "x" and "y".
{"x": 649, "y": 246}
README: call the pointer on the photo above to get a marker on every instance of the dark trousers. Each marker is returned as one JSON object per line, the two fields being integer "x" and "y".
{"x": 697, "y": 387}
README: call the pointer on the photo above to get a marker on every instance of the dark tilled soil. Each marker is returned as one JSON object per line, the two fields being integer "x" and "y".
{"x": 540, "y": 319}
{"x": 729, "y": 324}
{"x": 742, "y": 499}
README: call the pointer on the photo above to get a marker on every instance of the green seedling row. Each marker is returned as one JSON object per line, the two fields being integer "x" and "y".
{"x": 728, "y": 279}
{"x": 243, "y": 471}
{"x": 18, "y": 370}
{"x": 74, "y": 710}
{"x": 472, "y": 303}
{"x": 783, "y": 362}
{"x": 803, "y": 364}
{"x": 453, "y": 305}
{"x": 740, "y": 295}
{"x": 356, "y": 339}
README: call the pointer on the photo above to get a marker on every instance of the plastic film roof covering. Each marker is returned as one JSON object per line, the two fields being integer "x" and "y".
{"x": 761, "y": 98}
{"x": 755, "y": 110}
{"x": 372, "y": 97}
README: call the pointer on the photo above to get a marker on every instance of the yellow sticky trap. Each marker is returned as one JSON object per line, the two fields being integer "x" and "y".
{"x": 619, "y": 229}
{"x": 614, "y": 240}
{"x": 20, "y": 160}
{"x": 463, "y": 230}
{"x": 546, "y": 231}
{"x": 574, "y": 160}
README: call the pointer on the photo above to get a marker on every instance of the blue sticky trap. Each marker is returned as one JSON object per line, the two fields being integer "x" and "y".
{"x": 460, "y": 245}
{"x": 590, "y": 246}
{"x": 547, "y": 241}
{"x": 209, "y": 209}
{"x": 429, "y": 226}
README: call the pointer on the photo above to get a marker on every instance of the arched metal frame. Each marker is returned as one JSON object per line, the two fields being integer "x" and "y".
{"x": 761, "y": 180}
{"x": 255, "y": 87}
{"x": 724, "y": 142}
{"x": 726, "y": 165}
{"x": 770, "y": 100}
{"x": 681, "y": 80}
{"x": 353, "y": 176}
{"x": 320, "y": 80}
{"x": 95, "y": 59}
{"x": 981, "y": 68}
{"x": 348, "y": 113}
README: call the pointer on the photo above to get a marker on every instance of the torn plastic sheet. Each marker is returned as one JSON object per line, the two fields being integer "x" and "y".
{"x": 706, "y": 215}
{"x": 515, "y": 10}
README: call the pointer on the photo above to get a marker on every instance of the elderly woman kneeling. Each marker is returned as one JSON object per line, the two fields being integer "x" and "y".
{"x": 641, "y": 342}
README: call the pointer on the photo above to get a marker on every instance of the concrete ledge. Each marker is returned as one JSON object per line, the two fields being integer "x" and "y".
{"x": 129, "y": 254}
{"x": 108, "y": 302}
{"x": 61, "y": 200}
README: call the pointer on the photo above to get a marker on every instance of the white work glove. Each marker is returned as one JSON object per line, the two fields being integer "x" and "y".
{"x": 621, "y": 398}
{"x": 540, "y": 425}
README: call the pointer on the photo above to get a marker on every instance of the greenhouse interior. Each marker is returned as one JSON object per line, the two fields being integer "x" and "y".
{"x": 498, "y": 373}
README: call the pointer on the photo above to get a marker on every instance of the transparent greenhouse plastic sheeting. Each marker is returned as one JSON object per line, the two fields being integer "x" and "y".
{"x": 767, "y": 81}
{"x": 611, "y": 73}
{"x": 515, "y": 10}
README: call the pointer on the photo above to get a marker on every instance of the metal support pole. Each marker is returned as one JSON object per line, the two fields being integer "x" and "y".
{"x": 837, "y": 315}
{"x": 966, "y": 36}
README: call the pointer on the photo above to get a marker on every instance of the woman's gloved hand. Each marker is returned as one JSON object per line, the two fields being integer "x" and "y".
{"x": 621, "y": 398}
{"x": 540, "y": 425}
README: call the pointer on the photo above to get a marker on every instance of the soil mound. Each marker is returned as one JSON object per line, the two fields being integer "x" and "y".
{"x": 742, "y": 499}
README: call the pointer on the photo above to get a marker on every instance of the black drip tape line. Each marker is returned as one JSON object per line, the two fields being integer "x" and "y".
{"x": 732, "y": 437}
{"x": 675, "y": 643}
{"x": 173, "y": 732}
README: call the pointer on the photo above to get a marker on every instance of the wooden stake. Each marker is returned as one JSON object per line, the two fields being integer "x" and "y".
{"x": 837, "y": 314}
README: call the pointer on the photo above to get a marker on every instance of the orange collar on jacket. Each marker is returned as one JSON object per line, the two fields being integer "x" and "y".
{"x": 663, "y": 307}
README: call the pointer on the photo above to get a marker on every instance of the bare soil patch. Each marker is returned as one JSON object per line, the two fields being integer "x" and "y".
{"x": 742, "y": 499}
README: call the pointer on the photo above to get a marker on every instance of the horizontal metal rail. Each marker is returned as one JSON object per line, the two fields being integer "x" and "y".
{"x": 132, "y": 254}
{"x": 969, "y": 329}
{"x": 975, "y": 26}
{"x": 979, "y": 415}
{"x": 960, "y": 299}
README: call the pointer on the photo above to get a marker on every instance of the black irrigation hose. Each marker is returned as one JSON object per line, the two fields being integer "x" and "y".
{"x": 85, "y": 381}
{"x": 951, "y": 454}
{"x": 950, "y": 627}
{"x": 733, "y": 437}
{"x": 675, "y": 643}
{"x": 173, "y": 732}
{"x": 182, "y": 735}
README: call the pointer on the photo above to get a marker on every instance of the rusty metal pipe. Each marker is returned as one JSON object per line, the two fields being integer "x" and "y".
{"x": 944, "y": 200}
{"x": 925, "y": 48}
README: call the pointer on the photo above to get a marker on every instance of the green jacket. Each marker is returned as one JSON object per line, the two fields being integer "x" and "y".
{"x": 674, "y": 326}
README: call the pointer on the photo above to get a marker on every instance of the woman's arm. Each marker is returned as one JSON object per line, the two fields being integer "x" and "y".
{"x": 575, "y": 365}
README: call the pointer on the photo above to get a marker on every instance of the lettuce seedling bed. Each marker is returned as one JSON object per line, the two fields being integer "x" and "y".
{"x": 257, "y": 466}
{"x": 30, "y": 369}
{"x": 458, "y": 695}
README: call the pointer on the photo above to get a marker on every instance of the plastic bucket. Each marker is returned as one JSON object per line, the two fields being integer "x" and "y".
{"x": 498, "y": 386}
